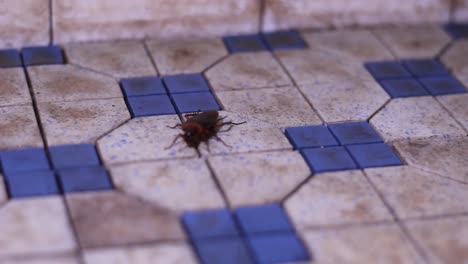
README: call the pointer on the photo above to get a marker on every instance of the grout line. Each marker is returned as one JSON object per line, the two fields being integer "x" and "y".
{"x": 444, "y": 49}
{"x": 384, "y": 44}
{"x": 378, "y": 111}
{"x": 148, "y": 53}
{"x": 261, "y": 15}
{"x": 299, "y": 186}
{"x": 224, "y": 57}
{"x": 218, "y": 184}
{"x": 452, "y": 8}
{"x": 51, "y": 22}
{"x": 450, "y": 114}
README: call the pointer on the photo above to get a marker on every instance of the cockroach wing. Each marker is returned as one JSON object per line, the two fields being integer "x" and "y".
{"x": 206, "y": 119}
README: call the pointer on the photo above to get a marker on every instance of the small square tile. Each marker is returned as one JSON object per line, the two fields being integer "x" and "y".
{"x": 328, "y": 159}
{"x": 150, "y": 105}
{"x": 310, "y": 136}
{"x": 74, "y": 156}
{"x": 457, "y": 30}
{"x": 194, "y": 102}
{"x": 374, "y": 155}
{"x": 31, "y": 183}
{"x": 209, "y": 224}
{"x": 269, "y": 218}
{"x": 142, "y": 86}
{"x": 284, "y": 40}
{"x": 223, "y": 251}
{"x": 443, "y": 85}
{"x": 387, "y": 70}
{"x": 30, "y": 159}
{"x": 425, "y": 67}
{"x": 10, "y": 58}
{"x": 280, "y": 248}
{"x": 403, "y": 88}
{"x": 355, "y": 133}
{"x": 184, "y": 83}
{"x": 42, "y": 55}
{"x": 244, "y": 43}
{"x": 84, "y": 179}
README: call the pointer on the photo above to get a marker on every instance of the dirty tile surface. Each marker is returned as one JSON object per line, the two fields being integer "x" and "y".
{"x": 19, "y": 128}
{"x": 14, "y": 88}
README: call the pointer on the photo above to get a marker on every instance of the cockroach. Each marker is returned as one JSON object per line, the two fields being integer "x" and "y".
{"x": 201, "y": 127}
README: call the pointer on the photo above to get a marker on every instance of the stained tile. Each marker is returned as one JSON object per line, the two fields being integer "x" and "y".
{"x": 336, "y": 198}
{"x": 73, "y": 156}
{"x": 121, "y": 59}
{"x": 110, "y": 218}
{"x": 183, "y": 83}
{"x": 414, "y": 193}
{"x": 195, "y": 102}
{"x": 355, "y": 133}
{"x": 14, "y": 88}
{"x": 454, "y": 57}
{"x": 18, "y": 127}
{"x": 382, "y": 70}
{"x": 209, "y": 224}
{"x": 280, "y": 40}
{"x": 269, "y": 218}
{"x": 67, "y": 259}
{"x": 142, "y": 86}
{"x": 374, "y": 155}
{"x": 84, "y": 179}
{"x": 247, "y": 71}
{"x": 150, "y": 105}
{"x": 3, "y": 191}
{"x": 403, "y": 88}
{"x": 278, "y": 248}
{"x": 186, "y": 55}
{"x": 443, "y": 85}
{"x": 31, "y": 183}
{"x": 281, "y": 106}
{"x": 457, "y": 106}
{"x": 244, "y": 43}
{"x": 224, "y": 251}
{"x": 425, "y": 67}
{"x": 94, "y": 118}
{"x": 42, "y": 55}
{"x": 24, "y": 160}
{"x": 328, "y": 159}
{"x": 251, "y": 179}
{"x": 310, "y": 136}
{"x": 10, "y": 58}
{"x": 414, "y": 118}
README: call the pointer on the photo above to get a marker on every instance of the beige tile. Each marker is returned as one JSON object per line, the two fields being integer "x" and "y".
{"x": 18, "y": 128}
{"x": 82, "y": 121}
{"x": 13, "y": 88}
{"x": 454, "y": 57}
{"x": 56, "y": 83}
{"x": 247, "y": 71}
{"x": 144, "y": 138}
{"x": 443, "y": 240}
{"x": 259, "y": 178}
{"x": 414, "y": 42}
{"x": 381, "y": 244}
{"x": 457, "y": 105}
{"x": 414, "y": 117}
{"x": 106, "y": 19}
{"x": 110, "y": 218}
{"x": 175, "y": 185}
{"x": 412, "y": 192}
{"x": 336, "y": 198}
{"x": 68, "y": 259}
{"x": 35, "y": 226}
{"x": 444, "y": 156}
{"x": 121, "y": 59}
{"x": 281, "y": 106}
{"x": 175, "y": 253}
{"x": 460, "y": 10}
{"x": 179, "y": 56}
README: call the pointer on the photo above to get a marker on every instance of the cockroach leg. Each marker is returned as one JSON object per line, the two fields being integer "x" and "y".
{"x": 231, "y": 125}
{"x": 220, "y": 140}
{"x": 174, "y": 141}
{"x": 174, "y": 127}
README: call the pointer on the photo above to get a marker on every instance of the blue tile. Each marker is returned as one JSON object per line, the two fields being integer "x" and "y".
{"x": 279, "y": 248}
{"x": 74, "y": 156}
{"x": 284, "y": 40}
{"x": 10, "y": 58}
{"x": 29, "y": 159}
{"x": 387, "y": 70}
{"x": 150, "y": 105}
{"x": 194, "y": 102}
{"x": 328, "y": 159}
{"x": 84, "y": 179}
{"x": 263, "y": 219}
{"x": 310, "y": 136}
{"x": 355, "y": 133}
{"x": 374, "y": 155}
{"x": 223, "y": 251}
{"x": 142, "y": 86}
{"x": 244, "y": 43}
{"x": 403, "y": 88}
{"x": 457, "y": 30}
{"x": 425, "y": 67}
{"x": 42, "y": 55}
{"x": 31, "y": 183}
{"x": 209, "y": 224}
{"x": 184, "y": 83}
{"x": 443, "y": 85}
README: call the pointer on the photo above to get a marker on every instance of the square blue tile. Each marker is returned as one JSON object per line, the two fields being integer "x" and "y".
{"x": 194, "y": 102}
{"x": 387, "y": 70}
{"x": 74, "y": 156}
{"x": 150, "y": 105}
{"x": 328, "y": 159}
{"x": 284, "y": 40}
{"x": 209, "y": 224}
{"x": 84, "y": 179}
{"x": 443, "y": 85}
{"x": 310, "y": 136}
{"x": 355, "y": 133}
{"x": 425, "y": 67}
{"x": 223, "y": 251}
{"x": 184, "y": 83}
{"x": 31, "y": 183}
{"x": 244, "y": 43}
{"x": 268, "y": 218}
{"x": 457, "y": 30}
{"x": 374, "y": 155}
{"x": 42, "y": 55}
{"x": 142, "y": 86}
{"x": 403, "y": 88}
{"x": 10, "y": 58}
{"x": 30, "y": 159}
{"x": 279, "y": 248}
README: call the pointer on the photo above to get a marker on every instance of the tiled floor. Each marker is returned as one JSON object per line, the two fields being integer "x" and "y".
{"x": 354, "y": 150}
